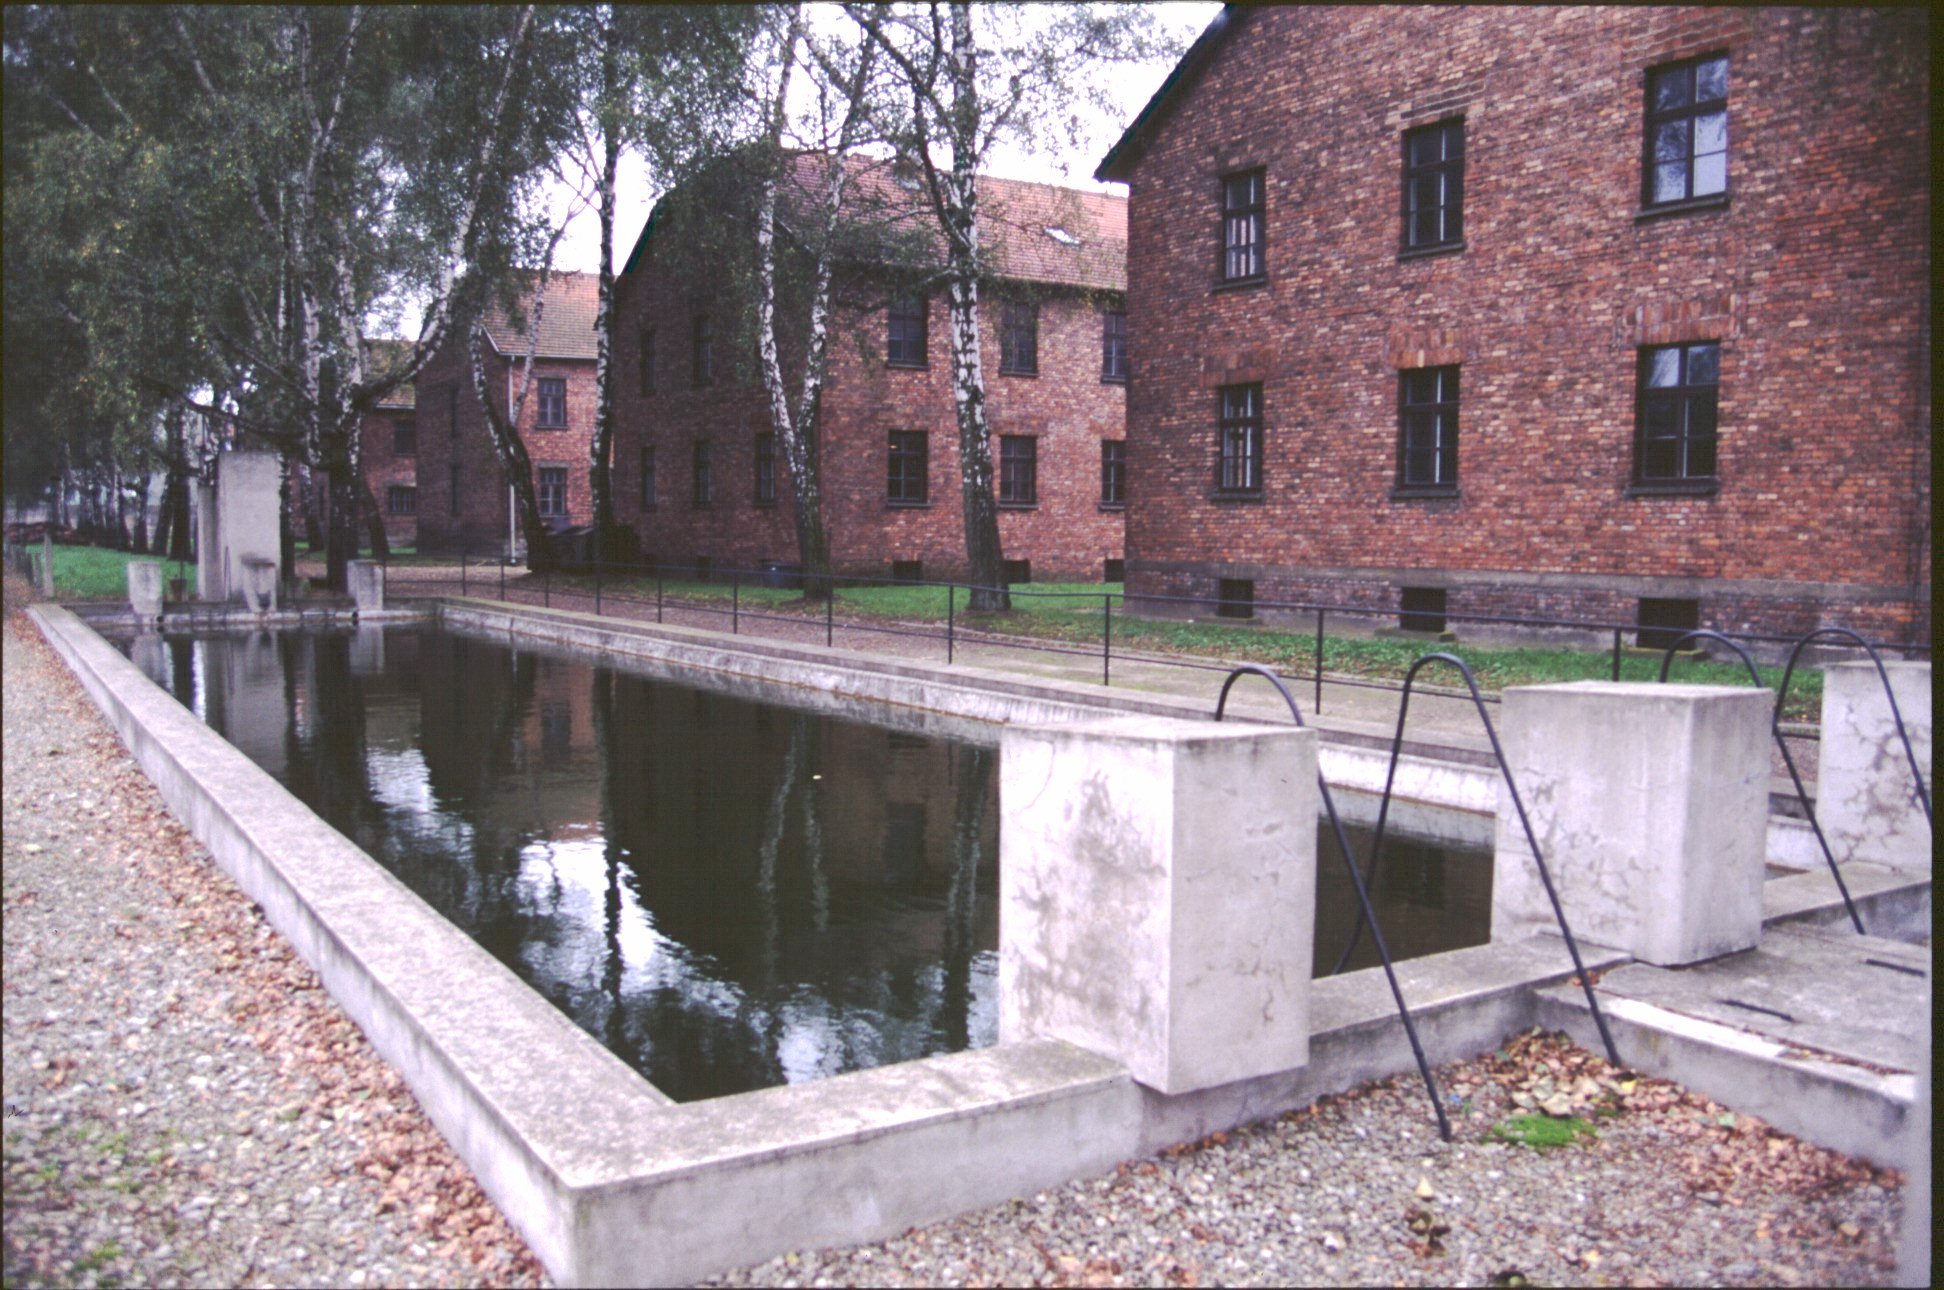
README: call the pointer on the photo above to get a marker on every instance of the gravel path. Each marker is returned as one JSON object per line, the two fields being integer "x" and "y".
{"x": 184, "y": 1105}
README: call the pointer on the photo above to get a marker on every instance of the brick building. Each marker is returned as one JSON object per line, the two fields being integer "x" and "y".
{"x": 1612, "y": 313}
{"x": 463, "y": 497}
{"x": 699, "y": 478}
{"x": 388, "y": 450}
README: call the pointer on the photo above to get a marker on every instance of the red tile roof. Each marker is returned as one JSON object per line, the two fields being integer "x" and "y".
{"x": 566, "y": 323}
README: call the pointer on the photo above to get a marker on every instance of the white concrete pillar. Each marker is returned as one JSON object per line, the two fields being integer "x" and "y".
{"x": 1866, "y": 800}
{"x": 1650, "y": 805}
{"x": 212, "y": 582}
{"x": 47, "y": 566}
{"x": 366, "y": 578}
{"x": 145, "y": 589}
{"x": 247, "y": 498}
{"x": 1157, "y": 894}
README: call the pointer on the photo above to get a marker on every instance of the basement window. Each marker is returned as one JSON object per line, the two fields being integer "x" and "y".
{"x": 1235, "y": 598}
{"x": 1016, "y": 571}
{"x": 1114, "y": 571}
{"x": 908, "y": 570}
{"x": 1664, "y": 621}
{"x": 1422, "y": 609}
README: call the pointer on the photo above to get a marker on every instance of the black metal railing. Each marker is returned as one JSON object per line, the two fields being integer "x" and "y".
{"x": 1518, "y": 804}
{"x": 1356, "y": 881}
{"x": 621, "y": 589}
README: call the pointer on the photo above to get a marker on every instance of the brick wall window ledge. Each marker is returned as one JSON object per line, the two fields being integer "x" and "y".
{"x": 1007, "y": 371}
{"x": 1431, "y": 252}
{"x": 762, "y": 504}
{"x": 907, "y": 366}
{"x": 907, "y": 506}
{"x": 1423, "y": 492}
{"x": 1221, "y": 495}
{"x": 1712, "y": 202}
{"x": 1114, "y": 507}
{"x": 1674, "y": 488}
{"x": 1239, "y": 284}
{"x": 1018, "y": 506}
{"x": 1113, "y": 380}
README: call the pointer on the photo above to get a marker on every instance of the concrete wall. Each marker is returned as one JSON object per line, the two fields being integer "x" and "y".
{"x": 1866, "y": 797}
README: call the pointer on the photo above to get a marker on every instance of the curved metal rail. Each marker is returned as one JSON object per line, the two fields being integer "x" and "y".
{"x": 1356, "y": 880}
{"x": 1545, "y": 876}
{"x": 1896, "y": 714}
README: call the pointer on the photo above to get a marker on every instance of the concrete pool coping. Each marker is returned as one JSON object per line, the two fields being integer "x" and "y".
{"x": 610, "y": 1182}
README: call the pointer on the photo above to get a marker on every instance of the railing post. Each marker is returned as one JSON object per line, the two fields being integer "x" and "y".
{"x": 1319, "y": 661}
{"x": 597, "y": 584}
{"x": 658, "y": 595}
{"x": 546, "y": 589}
{"x": 1616, "y": 653}
{"x": 735, "y": 601}
{"x": 951, "y": 599}
{"x": 502, "y": 581}
{"x": 462, "y": 570}
{"x": 1106, "y": 638}
{"x": 830, "y": 601}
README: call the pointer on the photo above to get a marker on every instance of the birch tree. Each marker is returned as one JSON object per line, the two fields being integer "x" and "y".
{"x": 843, "y": 79}
{"x": 974, "y": 76}
{"x": 299, "y": 174}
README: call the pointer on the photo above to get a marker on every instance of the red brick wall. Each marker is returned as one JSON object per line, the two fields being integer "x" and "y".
{"x": 481, "y": 519}
{"x": 383, "y": 468}
{"x": 1813, "y": 277}
{"x": 1067, "y": 536}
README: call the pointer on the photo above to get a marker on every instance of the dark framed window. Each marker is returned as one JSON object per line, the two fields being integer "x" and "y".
{"x": 401, "y": 499}
{"x": 766, "y": 469}
{"x": 404, "y": 438}
{"x": 1019, "y": 338}
{"x": 1421, "y": 609}
{"x": 1676, "y": 408}
{"x": 702, "y": 491}
{"x": 703, "y": 362}
{"x": 1113, "y": 569}
{"x": 1686, "y": 147}
{"x": 553, "y": 492}
{"x": 1016, "y": 571}
{"x": 1113, "y": 345}
{"x": 910, "y": 454}
{"x": 1239, "y": 468}
{"x": 648, "y": 476}
{"x": 1662, "y": 622}
{"x": 908, "y": 570}
{"x": 1244, "y": 226}
{"x": 1427, "y": 428}
{"x": 553, "y": 402}
{"x": 645, "y": 360}
{"x": 1018, "y": 470}
{"x": 1113, "y": 472}
{"x": 1235, "y": 598}
{"x": 452, "y": 488}
{"x": 1434, "y": 185}
{"x": 904, "y": 331}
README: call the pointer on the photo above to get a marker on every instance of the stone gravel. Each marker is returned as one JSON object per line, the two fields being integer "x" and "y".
{"x": 184, "y": 1105}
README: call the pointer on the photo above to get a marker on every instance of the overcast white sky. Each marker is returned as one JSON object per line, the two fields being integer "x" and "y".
{"x": 580, "y": 248}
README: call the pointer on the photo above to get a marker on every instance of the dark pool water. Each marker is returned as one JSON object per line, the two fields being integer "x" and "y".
{"x": 728, "y": 894}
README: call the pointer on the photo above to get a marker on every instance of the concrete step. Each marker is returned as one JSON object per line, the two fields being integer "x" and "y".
{"x": 1818, "y": 1031}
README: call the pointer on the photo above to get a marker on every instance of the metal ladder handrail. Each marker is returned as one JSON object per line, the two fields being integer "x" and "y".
{"x": 1356, "y": 880}
{"x": 1532, "y": 840}
{"x": 1896, "y": 713}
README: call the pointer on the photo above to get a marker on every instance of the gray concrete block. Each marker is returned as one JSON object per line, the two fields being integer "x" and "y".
{"x": 1866, "y": 799}
{"x": 1650, "y": 806}
{"x": 1157, "y": 894}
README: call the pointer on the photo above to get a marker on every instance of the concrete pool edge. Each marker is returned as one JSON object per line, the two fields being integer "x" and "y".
{"x": 610, "y": 1184}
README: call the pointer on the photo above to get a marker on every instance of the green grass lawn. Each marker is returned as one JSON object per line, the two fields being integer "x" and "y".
{"x": 95, "y": 573}
{"x": 1073, "y": 613}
